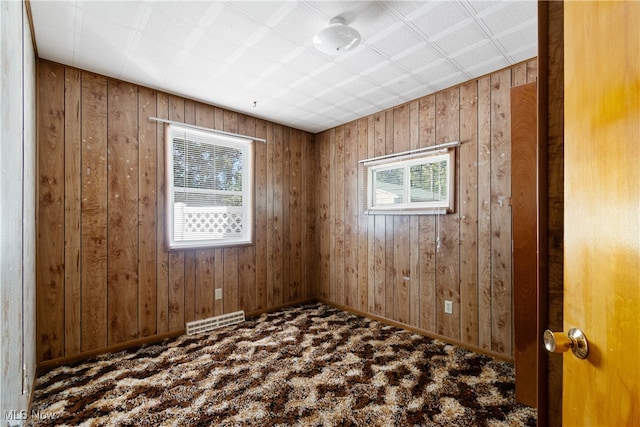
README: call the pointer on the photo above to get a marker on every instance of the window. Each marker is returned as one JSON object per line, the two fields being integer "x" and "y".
{"x": 413, "y": 183}
{"x": 209, "y": 189}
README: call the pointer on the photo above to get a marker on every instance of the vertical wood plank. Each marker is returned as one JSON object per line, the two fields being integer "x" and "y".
{"x": 448, "y": 229}
{"x": 176, "y": 258}
{"x": 427, "y": 226}
{"x": 501, "y": 313}
{"x": 50, "y": 238}
{"x": 389, "y": 267}
{"x": 261, "y": 202}
{"x": 351, "y": 208}
{"x": 338, "y": 220}
{"x": 277, "y": 225}
{"x": 401, "y": 226}
{"x": 295, "y": 216}
{"x": 468, "y": 197}
{"x": 331, "y": 141}
{"x": 532, "y": 70}
{"x": 380, "y": 226}
{"x": 147, "y": 205}
{"x": 94, "y": 211}
{"x": 205, "y": 258}
{"x": 162, "y": 267}
{"x": 323, "y": 213}
{"x": 72, "y": 210}
{"x": 371, "y": 229}
{"x": 484, "y": 212}
{"x": 311, "y": 244}
{"x": 519, "y": 74}
{"x": 230, "y": 291}
{"x": 362, "y": 219}
{"x": 286, "y": 238}
{"x": 247, "y": 254}
{"x": 122, "y": 212}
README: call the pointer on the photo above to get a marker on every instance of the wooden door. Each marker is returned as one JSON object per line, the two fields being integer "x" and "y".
{"x": 602, "y": 212}
{"x": 524, "y": 216}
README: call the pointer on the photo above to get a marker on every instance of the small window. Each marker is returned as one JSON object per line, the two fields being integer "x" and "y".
{"x": 209, "y": 189}
{"x": 420, "y": 184}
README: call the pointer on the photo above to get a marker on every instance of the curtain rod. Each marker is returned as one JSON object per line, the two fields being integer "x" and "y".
{"x": 221, "y": 132}
{"x": 417, "y": 150}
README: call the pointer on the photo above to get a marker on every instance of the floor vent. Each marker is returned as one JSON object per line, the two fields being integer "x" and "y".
{"x": 206, "y": 325}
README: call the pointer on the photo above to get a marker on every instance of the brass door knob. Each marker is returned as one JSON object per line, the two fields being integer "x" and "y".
{"x": 575, "y": 340}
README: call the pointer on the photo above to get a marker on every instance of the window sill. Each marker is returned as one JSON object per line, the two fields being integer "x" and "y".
{"x": 416, "y": 211}
{"x": 208, "y": 244}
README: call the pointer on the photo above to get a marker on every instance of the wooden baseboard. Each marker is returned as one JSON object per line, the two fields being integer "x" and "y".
{"x": 419, "y": 331}
{"x": 48, "y": 364}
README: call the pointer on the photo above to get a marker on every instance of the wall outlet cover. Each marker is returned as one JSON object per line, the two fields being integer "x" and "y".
{"x": 448, "y": 307}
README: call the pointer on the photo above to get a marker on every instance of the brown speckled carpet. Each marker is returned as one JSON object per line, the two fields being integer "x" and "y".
{"x": 311, "y": 365}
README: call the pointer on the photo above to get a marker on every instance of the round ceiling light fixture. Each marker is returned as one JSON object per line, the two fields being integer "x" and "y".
{"x": 336, "y": 38}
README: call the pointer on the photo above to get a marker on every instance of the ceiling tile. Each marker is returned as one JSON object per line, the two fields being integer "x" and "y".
{"x": 189, "y": 11}
{"x": 441, "y": 18}
{"x": 416, "y": 57}
{"x": 357, "y": 62}
{"x": 488, "y": 66}
{"x": 232, "y": 53}
{"x": 461, "y": 38}
{"x": 355, "y": 85}
{"x": 397, "y": 42}
{"x": 503, "y": 17}
{"x": 374, "y": 95}
{"x": 523, "y": 38}
{"x": 284, "y": 77}
{"x": 167, "y": 28}
{"x": 274, "y": 46}
{"x": 435, "y": 71}
{"x": 475, "y": 54}
{"x": 352, "y": 104}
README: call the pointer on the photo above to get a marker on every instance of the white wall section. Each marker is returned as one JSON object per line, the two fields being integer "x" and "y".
{"x": 17, "y": 212}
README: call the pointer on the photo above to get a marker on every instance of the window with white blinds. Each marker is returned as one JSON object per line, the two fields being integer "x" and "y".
{"x": 417, "y": 184}
{"x": 209, "y": 189}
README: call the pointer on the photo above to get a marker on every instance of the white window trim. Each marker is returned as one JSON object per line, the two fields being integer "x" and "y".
{"x": 405, "y": 161}
{"x": 246, "y": 237}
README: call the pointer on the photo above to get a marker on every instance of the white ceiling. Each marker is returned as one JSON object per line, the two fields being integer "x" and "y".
{"x": 236, "y": 53}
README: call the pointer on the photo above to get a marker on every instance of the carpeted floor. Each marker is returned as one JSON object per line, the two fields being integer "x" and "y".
{"x": 311, "y": 365}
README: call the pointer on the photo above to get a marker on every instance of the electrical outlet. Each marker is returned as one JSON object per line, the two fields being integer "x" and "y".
{"x": 219, "y": 293}
{"x": 448, "y": 307}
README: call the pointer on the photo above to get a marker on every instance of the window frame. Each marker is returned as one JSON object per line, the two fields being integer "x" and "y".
{"x": 405, "y": 162}
{"x": 248, "y": 194}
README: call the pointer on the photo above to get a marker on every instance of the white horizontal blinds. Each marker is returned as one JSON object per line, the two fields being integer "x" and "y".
{"x": 389, "y": 187}
{"x": 208, "y": 186}
{"x": 429, "y": 182}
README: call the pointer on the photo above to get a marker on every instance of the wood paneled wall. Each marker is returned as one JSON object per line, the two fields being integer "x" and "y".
{"x": 104, "y": 274}
{"x": 403, "y": 268}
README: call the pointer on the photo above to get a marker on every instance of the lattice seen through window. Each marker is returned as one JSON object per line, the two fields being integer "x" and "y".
{"x": 210, "y": 193}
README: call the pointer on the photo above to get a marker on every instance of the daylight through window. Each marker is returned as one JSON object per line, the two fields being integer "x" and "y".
{"x": 412, "y": 184}
{"x": 210, "y": 191}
